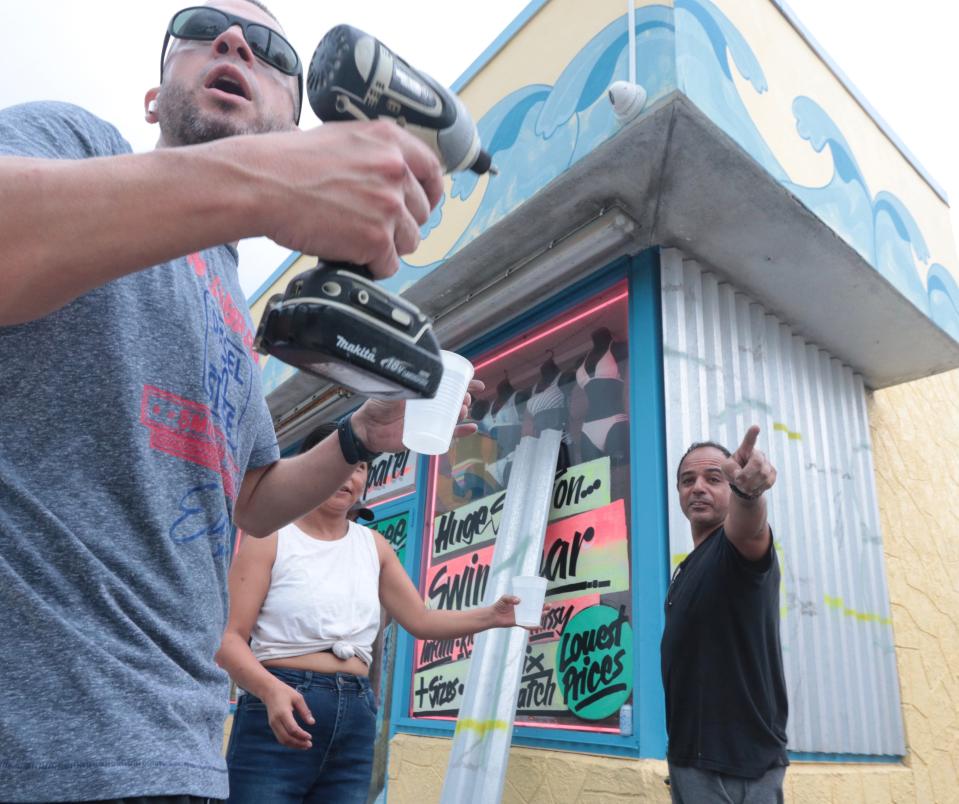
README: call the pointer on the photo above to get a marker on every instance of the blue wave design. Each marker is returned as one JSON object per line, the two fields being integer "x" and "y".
{"x": 705, "y": 42}
{"x": 881, "y": 229}
{"x": 435, "y": 218}
{"x": 536, "y": 132}
{"x": 943, "y": 299}
{"x": 725, "y": 38}
{"x": 500, "y": 128}
{"x": 587, "y": 77}
{"x": 845, "y": 202}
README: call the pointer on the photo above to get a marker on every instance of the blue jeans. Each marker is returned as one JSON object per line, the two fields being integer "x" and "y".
{"x": 338, "y": 766}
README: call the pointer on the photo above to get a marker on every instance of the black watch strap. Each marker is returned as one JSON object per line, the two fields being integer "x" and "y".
{"x": 742, "y": 494}
{"x": 353, "y": 449}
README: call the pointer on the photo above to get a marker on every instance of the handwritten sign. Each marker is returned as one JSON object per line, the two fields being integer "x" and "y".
{"x": 459, "y": 583}
{"x": 587, "y": 553}
{"x": 439, "y": 691}
{"x": 579, "y": 488}
{"x": 539, "y": 690}
{"x": 390, "y": 474}
{"x": 395, "y": 530}
{"x": 434, "y": 652}
{"x": 470, "y": 525}
{"x": 595, "y": 662}
{"x": 556, "y": 616}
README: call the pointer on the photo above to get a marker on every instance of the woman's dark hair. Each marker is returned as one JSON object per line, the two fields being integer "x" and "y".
{"x": 316, "y": 436}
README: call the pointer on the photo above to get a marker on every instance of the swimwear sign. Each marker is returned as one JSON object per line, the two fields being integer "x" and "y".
{"x": 586, "y": 554}
{"x": 459, "y": 583}
{"x": 595, "y": 662}
{"x": 576, "y": 489}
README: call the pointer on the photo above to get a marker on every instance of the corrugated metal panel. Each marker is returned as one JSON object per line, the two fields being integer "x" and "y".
{"x": 728, "y": 364}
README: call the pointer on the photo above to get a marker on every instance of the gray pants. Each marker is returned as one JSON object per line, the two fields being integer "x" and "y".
{"x": 695, "y": 786}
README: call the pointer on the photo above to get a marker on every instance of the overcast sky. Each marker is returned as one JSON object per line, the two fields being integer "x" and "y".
{"x": 104, "y": 54}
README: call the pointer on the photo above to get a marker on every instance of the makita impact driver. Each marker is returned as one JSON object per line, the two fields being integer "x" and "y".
{"x": 334, "y": 321}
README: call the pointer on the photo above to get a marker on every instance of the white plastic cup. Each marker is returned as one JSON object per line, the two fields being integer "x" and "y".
{"x": 429, "y": 423}
{"x": 531, "y": 591}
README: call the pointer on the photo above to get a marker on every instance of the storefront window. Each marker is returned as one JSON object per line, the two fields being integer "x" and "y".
{"x": 570, "y": 374}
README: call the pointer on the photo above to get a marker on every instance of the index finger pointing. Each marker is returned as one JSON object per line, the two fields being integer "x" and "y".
{"x": 749, "y": 441}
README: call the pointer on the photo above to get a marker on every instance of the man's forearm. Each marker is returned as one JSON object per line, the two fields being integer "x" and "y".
{"x": 746, "y": 524}
{"x": 114, "y": 215}
{"x": 286, "y": 490}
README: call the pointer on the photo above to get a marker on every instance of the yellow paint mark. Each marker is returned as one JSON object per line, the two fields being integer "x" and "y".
{"x": 481, "y": 727}
{"x": 863, "y": 617}
{"x": 782, "y": 428}
{"x": 678, "y": 558}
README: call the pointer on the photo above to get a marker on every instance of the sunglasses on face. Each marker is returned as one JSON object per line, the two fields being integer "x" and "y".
{"x": 204, "y": 24}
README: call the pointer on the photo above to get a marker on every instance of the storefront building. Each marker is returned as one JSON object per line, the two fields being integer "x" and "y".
{"x": 755, "y": 247}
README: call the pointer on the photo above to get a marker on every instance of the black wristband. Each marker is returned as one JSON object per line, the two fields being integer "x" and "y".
{"x": 742, "y": 494}
{"x": 354, "y": 450}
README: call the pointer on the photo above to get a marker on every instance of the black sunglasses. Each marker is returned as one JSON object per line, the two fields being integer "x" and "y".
{"x": 204, "y": 24}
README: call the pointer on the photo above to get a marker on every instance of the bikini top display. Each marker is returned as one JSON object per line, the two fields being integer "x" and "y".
{"x": 552, "y": 397}
{"x": 507, "y": 415}
{"x": 606, "y": 368}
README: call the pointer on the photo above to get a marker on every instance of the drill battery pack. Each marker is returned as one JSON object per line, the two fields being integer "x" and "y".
{"x": 337, "y": 324}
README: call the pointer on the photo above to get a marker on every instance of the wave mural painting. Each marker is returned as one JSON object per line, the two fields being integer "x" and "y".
{"x": 536, "y": 132}
{"x": 880, "y": 227}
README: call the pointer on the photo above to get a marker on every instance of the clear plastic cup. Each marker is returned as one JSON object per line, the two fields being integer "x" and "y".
{"x": 531, "y": 591}
{"x": 429, "y": 423}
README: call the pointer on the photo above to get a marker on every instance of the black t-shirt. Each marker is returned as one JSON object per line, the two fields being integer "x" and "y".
{"x": 722, "y": 662}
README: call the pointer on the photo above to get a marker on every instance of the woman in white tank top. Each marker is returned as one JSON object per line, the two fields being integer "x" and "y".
{"x": 304, "y": 611}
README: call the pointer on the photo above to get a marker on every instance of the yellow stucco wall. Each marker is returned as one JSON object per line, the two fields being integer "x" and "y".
{"x": 418, "y": 764}
{"x": 915, "y": 433}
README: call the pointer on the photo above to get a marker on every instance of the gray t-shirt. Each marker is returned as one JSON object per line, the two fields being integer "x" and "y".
{"x": 127, "y": 421}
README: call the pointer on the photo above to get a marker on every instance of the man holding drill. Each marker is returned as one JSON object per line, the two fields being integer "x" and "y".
{"x": 144, "y": 435}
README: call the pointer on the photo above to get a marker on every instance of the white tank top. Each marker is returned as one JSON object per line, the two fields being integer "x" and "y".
{"x": 324, "y": 595}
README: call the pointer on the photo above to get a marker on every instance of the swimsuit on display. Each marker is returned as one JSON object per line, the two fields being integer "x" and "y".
{"x": 506, "y": 416}
{"x": 549, "y": 409}
{"x": 606, "y": 368}
{"x": 550, "y": 398}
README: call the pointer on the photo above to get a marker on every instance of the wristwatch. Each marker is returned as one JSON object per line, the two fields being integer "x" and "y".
{"x": 742, "y": 494}
{"x": 354, "y": 450}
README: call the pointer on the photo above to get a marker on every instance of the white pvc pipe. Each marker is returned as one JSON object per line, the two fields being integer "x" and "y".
{"x": 480, "y": 753}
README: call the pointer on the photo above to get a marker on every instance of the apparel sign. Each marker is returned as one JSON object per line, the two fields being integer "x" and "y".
{"x": 389, "y": 474}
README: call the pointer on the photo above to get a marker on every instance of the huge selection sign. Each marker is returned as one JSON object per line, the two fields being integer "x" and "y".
{"x": 578, "y": 665}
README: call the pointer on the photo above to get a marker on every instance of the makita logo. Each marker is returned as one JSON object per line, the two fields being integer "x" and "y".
{"x": 363, "y": 352}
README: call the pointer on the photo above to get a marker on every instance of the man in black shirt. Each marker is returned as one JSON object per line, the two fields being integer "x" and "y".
{"x": 721, "y": 657}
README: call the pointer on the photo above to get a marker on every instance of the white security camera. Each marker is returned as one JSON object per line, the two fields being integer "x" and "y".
{"x": 628, "y": 100}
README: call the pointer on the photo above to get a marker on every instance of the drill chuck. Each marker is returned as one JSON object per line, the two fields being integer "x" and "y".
{"x": 354, "y": 76}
